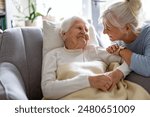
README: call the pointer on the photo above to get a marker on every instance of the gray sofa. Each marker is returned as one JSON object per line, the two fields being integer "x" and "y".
{"x": 21, "y": 63}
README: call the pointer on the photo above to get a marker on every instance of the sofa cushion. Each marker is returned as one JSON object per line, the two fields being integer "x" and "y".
{"x": 2, "y": 92}
{"x": 141, "y": 80}
{"x": 11, "y": 83}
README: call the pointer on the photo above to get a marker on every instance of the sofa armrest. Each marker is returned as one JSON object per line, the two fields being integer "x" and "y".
{"x": 11, "y": 83}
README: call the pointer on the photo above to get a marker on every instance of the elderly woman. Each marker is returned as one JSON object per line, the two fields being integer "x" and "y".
{"x": 121, "y": 23}
{"x": 76, "y": 51}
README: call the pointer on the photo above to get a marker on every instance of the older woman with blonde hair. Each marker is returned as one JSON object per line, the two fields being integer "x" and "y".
{"x": 84, "y": 59}
{"x": 121, "y": 23}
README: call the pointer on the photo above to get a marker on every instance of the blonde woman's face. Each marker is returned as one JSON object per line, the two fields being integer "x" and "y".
{"x": 113, "y": 32}
{"x": 77, "y": 36}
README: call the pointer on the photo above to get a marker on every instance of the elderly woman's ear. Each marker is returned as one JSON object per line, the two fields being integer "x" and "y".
{"x": 62, "y": 34}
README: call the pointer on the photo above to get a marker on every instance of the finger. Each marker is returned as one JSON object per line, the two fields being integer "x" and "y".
{"x": 115, "y": 47}
{"x": 111, "y": 87}
{"x": 109, "y": 79}
{"x": 107, "y": 86}
{"x": 109, "y": 83}
{"x": 104, "y": 89}
{"x": 109, "y": 50}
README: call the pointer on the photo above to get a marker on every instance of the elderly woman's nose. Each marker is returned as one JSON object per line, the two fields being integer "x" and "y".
{"x": 83, "y": 31}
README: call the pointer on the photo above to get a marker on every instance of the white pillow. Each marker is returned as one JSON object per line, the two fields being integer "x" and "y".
{"x": 92, "y": 36}
{"x": 52, "y": 39}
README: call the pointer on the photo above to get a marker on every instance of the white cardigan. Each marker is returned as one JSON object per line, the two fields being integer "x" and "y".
{"x": 55, "y": 89}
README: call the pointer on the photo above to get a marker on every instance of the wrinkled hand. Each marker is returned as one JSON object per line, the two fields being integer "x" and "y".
{"x": 113, "y": 49}
{"x": 102, "y": 82}
{"x": 115, "y": 77}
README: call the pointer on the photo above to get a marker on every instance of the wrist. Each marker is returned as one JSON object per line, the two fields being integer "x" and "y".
{"x": 121, "y": 48}
{"x": 91, "y": 81}
{"x": 116, "y": 74}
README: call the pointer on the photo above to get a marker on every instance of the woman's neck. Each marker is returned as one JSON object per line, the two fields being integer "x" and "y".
{"x": 130, "y": 38}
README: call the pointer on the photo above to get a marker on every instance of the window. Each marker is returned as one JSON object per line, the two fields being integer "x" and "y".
{"x": 90, "y": 9}
{"x": 146, "y": 9}
{"x": 60, "y": 8}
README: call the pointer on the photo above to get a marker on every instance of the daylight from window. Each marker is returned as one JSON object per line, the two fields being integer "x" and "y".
{"x": 65, "y": 8}
{"x": 61, "y": 8}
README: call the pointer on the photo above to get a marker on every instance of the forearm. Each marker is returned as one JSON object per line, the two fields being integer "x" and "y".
{"x": 116, "y": 74}
{"x": 59, "y": 88}
{"x": 140, "y": 64}
{"x": 126, "y": 54}
{"x": 107, "y": 57}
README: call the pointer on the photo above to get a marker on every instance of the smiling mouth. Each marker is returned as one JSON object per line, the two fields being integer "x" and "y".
{"x": 82, "y": 36}
{"x": 110, "y": 36}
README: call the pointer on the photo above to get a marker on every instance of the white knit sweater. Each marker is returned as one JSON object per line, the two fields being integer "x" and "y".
{"x": 53, "y": 88}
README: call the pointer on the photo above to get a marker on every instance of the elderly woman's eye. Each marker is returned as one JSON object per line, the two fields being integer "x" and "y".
{"x": 80, "y": 28}
{"x": 108, "y": 29}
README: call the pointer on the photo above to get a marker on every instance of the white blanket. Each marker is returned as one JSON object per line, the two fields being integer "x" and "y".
{"x": 123, "y": 90}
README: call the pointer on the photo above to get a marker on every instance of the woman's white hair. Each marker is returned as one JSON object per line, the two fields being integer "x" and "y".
{"x": 68, "y": 22}
{"x": 122, "y": 13}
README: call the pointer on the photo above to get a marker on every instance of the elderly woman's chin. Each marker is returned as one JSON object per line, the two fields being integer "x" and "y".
{"x": 82, "y": 44}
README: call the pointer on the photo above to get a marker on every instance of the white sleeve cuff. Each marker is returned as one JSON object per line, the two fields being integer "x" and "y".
{"x": 124, "y": 68}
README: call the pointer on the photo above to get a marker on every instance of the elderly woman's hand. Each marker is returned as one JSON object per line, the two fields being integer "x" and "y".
{"x": 102, "y": 82}
{"x": 113, "y": 49}
{"x": 115, "y": 77}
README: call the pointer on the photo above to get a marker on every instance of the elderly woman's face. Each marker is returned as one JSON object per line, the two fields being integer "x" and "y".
{"x": 77, "y": 36}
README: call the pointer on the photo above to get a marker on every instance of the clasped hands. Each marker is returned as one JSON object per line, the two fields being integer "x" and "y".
{"x": 114, "y": 49}
{"x": 105, "y": 82}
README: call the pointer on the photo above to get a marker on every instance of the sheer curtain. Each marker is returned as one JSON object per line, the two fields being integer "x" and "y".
{"x": 146, "y": 9}
{"x": 65, "y": 8}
